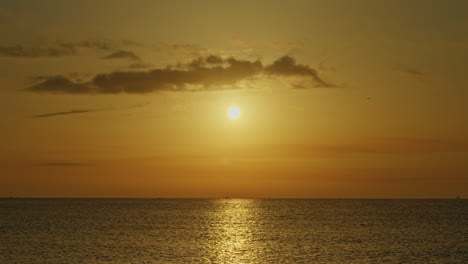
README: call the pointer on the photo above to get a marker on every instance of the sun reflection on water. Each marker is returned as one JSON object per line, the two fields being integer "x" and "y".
{"x": 233, "y": 231}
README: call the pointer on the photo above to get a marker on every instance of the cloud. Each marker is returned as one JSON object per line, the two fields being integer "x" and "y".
{"x": 128, "y": 42}
{"x": 36, "y": 52}
{"x": 122, "y": 54}
{"x": 71, "y": 112}
{"x": 412, "y": 72}
{"x": 139, "y": 105}
{"x": 204, "y": 61}
{"x": 287, "y": 66}
{"x": 65, "y": 164}
{"x": 60, "y": 48}
{"x": 74, "y": 76}
{"x": 406, "y": 144}
{"x": 98, "y": 44}
{"x": 61, "y": 84}
{"x": 383, "y": 146}
{"x": 181, "y": 48}
{"x": 83, "y": 111}
{"x": 278, "y": 45}
{"x": 139, "y": 66}
{"x": 418, "y": 75}
{"x": 204, "y": 73}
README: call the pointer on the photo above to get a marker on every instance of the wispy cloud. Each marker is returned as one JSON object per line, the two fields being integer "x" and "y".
{"x": 384, "y": 146}
{"x": 60, "y": 48}
{"x": 412, "y": 72}
{"x": 140, "y": 105}
{"x": 139, "y": 66}
{"x": 61, "y": 84}
{"x": 84, "y": 111}
{"x": 204, "y": 73}
{"x": 71, "y": 112}
{"x": 75, "y": 76}
{"x": 187, "y": 48}
{"x": 36, "y": 52}
{"x": 65, "y": 164}
{"x": 279, "y": 45}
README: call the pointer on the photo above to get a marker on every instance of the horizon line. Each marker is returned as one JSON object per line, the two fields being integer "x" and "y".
{"x": 238, "y": 198}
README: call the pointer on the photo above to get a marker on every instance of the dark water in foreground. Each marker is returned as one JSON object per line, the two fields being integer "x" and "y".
{"x": 232, "y": 231}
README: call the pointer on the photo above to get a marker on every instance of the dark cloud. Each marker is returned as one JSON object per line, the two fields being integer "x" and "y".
{"x": 204, "y": 73}
{"x": 204, "y": 62}
{"x": 287, "y": 66}
{"x": 122, "y": 54}
{"x": 98, "y": 44}
{"x": 75, "y": 76}
{"x": 65, "y": 164}
{"x": 60, "y": 84}
{"x": 175, "y": 79}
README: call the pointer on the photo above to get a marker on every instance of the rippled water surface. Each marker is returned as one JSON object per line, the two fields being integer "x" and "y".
{"x": 232, "y": 231}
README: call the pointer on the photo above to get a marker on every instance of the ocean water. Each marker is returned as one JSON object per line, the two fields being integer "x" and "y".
{"x": 233, "y": 231}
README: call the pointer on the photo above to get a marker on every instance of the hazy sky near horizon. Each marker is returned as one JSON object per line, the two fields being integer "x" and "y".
{"x": 352, "y": 99}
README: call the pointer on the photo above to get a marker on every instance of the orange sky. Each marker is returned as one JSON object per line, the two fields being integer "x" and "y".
{"x": 337, "y": 99}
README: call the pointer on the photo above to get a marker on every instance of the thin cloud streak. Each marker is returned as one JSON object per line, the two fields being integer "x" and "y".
{"x": 413, "y": 73}
{"x": 84, "y": 111}
{"x": 36, "y": 52}
{"x": 385, "y": 146}
{"x": 65, "y": 164}
{"x": 71, "y": 112}
{"x": 59, "y": 48}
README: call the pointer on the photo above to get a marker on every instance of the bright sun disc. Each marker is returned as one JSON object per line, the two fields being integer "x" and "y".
{"x": 234, "y": 112}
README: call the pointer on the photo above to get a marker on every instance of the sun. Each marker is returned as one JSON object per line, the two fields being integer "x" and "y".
{"x": 233, "y": 112}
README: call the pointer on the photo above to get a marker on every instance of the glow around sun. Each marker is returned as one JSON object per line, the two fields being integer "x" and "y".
{"x": 233, "y": 112}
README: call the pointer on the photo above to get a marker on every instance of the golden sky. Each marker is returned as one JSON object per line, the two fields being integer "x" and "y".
{"x": 337, "y": 99}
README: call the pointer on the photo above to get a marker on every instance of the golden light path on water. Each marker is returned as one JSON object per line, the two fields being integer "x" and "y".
{"x": 234, "y": 231}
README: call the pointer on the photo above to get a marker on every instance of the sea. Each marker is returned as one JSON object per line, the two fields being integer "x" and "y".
{"x": 233, "y": 231}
